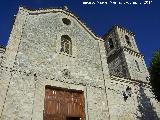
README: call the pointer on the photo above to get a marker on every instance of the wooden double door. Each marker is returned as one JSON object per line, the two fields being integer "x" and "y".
{"x": 63, "y": 104}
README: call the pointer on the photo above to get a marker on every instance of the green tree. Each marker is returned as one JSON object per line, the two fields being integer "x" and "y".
{"x": 155, "y": 74}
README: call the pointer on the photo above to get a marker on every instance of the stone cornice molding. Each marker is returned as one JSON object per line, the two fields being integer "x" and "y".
{"x": 130, "y": 81}
{"x": 119, "y": 27}
{"x": 2, "y": 49}
{"x": 133, "y": 52}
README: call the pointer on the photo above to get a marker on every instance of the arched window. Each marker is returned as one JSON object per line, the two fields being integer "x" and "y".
{"x": 66, "y": 44}
{"x": 137, "y": 65}
{"x": 127, "y": 40}
{"x": 111, "y": 44}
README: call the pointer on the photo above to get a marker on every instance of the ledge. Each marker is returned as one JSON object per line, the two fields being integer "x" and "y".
{"x": 130, "y": 81}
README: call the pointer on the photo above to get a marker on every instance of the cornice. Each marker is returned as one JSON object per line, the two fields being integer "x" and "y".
{"x": 133, "y": 52}
{"x": 2, "y": 49}
{"x": 120, "y": 27}
{"x": 130, "y": 81}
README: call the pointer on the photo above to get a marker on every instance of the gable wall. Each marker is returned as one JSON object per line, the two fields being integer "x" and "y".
{"x": 37, "y": 61}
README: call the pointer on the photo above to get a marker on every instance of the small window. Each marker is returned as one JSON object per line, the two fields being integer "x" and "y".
{"x": 66, "y": 44}
{"x": 127, "y": 40}
{"x": 66, "y": 21}
{"x": 111, "y": 44}
{"x": 137, "y": 65}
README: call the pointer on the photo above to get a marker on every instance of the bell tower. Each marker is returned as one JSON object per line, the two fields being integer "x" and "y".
{"x": 123, "y": 56}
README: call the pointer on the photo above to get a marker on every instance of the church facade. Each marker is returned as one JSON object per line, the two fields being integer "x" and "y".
{"x": 55, "y": 68}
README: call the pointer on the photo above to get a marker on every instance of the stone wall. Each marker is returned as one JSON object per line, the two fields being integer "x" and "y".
{"x": 34, "y": 54}
{"x": 139, "y": 72}
{"x": 33, "y": 60}
{"x": 141, "y": 104}
{"x": 121, "y": 33}
{"x": 117, "y": 64}
{"x": 124, "y": 59}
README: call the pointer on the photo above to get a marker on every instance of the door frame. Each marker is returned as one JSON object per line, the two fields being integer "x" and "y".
{"x": 80, "y": 92}
{"x": 38, "y": 103}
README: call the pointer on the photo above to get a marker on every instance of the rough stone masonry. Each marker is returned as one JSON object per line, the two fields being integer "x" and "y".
{"x": 53, "y": 47}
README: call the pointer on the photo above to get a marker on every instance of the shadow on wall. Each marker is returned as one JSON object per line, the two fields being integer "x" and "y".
{"x": 145, "y": 108}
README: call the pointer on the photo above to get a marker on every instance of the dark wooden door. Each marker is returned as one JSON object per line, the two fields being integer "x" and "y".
{"x": 63, "y": 104}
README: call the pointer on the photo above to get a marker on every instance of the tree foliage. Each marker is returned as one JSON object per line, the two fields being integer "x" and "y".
{"x": 155, "y": 74}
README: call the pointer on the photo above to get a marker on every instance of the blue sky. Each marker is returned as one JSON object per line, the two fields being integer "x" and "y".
{"x": 143, "y": 20}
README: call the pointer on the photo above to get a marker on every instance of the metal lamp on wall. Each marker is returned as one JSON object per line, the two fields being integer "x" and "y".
{"x": 127, "y": 93}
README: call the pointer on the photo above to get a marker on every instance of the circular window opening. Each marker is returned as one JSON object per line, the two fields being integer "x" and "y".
{"x": 127, "y": 40}
{"x": 66, "y": 21}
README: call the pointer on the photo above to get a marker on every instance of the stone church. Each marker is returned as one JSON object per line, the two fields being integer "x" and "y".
{"x": 55, "y": 68}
